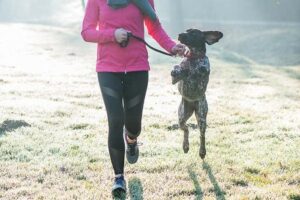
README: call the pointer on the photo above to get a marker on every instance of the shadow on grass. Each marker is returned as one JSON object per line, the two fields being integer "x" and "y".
{"x": 198, "y": 190}
{"x": 11, "y": 125}
{"x": 135, "y": 189}
{"x": 176, "y": 126}
{"x": 219, "y": 193}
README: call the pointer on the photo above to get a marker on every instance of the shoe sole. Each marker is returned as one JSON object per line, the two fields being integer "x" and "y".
{"x": 119, "y": 193}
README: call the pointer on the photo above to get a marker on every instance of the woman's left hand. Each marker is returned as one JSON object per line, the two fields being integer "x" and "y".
{"x": 179, "y": 49}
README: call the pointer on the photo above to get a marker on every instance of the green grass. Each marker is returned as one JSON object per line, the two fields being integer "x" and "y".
{"x": 53, "y": 130}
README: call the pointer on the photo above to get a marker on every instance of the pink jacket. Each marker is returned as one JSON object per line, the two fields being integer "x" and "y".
{"x": 101, "y": 21}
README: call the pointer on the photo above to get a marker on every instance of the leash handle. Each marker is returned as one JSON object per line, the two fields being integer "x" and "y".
{"x": 129, "y": 34}
{"x": 124, "y": 43}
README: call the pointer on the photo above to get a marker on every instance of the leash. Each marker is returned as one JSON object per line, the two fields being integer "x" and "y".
{"x": 125, "y": 43}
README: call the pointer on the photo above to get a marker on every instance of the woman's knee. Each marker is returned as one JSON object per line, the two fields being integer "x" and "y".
{"x": 116, "y": 124}
{"x": 116, "y": 120}
{"x": 133, "y": 129}
{"x": 116, "y": 141}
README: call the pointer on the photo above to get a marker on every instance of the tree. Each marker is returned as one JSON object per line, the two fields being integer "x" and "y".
{"x": 83, "y": 4}
{"x": 176, "y": 17}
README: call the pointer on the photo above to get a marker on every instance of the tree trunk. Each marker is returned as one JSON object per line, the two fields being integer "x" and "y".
{"x": 176, "y": 17}
{"x": 83, "y": 4}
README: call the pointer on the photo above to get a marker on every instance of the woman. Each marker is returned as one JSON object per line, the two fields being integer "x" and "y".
{"x": 123, "y": 73}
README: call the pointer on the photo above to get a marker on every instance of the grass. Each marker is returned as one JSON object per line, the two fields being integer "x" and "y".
{"x": 53, "y": 129}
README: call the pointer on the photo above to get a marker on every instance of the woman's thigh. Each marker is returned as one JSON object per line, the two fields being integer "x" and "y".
{"x": 112, "y": 92}
{"x": 135, "y": 87}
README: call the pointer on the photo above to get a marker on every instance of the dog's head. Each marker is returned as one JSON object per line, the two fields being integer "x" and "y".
{"x": 194, "y": 38}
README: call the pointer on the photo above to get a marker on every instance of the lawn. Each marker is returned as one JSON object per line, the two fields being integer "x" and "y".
{"x": 53, "y": 126}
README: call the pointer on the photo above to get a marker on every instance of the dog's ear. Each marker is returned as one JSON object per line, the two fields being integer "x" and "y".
{"x": 212, "y": 37}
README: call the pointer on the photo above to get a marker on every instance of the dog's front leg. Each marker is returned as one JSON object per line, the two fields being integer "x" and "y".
{"x": 201, "y": 113}
{"x": 185, "y": 111}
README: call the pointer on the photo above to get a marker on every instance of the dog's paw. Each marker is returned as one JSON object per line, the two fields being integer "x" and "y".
{"x": 202, "y": 153}
{"x": 186, "y": 147}
{"x": 175, "y": 80}
{"x": 178, "y": 75}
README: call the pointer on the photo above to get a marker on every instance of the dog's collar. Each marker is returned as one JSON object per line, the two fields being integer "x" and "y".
{"x": 199, "y": 55}
{"x": 194, "y": 53}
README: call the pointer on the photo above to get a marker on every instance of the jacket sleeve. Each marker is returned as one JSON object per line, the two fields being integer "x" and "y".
{"x": 158, "y": 33}
{"x": 90, "y": 32}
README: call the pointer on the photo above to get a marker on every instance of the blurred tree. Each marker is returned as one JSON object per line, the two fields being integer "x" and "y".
{"x": 176, "y": 17}
{"x": 83, "y": 4}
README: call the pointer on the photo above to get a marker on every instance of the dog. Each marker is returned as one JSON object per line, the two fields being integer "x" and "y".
{"x": 192, "y": 76}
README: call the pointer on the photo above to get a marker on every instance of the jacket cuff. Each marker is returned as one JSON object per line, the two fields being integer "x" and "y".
{"x": 170, "y": 46}
{"x": 107, "y": 35}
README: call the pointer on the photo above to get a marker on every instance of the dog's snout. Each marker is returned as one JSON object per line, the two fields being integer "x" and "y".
{"x": 181, "y": 36}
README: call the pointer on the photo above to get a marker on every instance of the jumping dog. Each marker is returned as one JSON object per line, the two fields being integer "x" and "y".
{"x": 192, "y": 76}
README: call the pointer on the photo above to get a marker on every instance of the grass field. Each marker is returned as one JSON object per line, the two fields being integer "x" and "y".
{"x": 53, "y": 131}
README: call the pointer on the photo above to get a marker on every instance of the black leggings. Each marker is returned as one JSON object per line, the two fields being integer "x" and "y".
{"x": 123, "y": 95}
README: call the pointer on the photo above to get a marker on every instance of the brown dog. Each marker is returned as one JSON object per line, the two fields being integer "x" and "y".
{"x": 193, "y": 76}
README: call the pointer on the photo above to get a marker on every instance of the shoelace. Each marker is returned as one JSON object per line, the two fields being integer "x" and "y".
{"x": 132, "y": 147}
{"x": 139, "y": 144}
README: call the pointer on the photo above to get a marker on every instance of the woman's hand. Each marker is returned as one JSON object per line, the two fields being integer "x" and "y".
{"x": 179, "y": 49}
{"x": 121, "y": 35}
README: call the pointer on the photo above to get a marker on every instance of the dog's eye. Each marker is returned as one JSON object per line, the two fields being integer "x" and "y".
{"x": 193, "y": 33}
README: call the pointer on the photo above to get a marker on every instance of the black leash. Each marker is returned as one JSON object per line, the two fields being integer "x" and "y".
{"x": 125, "y": 43}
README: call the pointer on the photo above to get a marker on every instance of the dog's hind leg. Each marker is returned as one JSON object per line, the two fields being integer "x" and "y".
{"x": 185, "y": 111}
{"x": 201, "y": 113}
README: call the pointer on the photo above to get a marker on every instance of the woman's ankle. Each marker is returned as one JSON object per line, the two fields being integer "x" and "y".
{"x": 130, "y": 140}
{"x": 119, "y": 175}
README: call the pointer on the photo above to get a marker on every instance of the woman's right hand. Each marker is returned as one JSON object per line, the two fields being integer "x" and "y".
{"x": 121, "y": 35}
